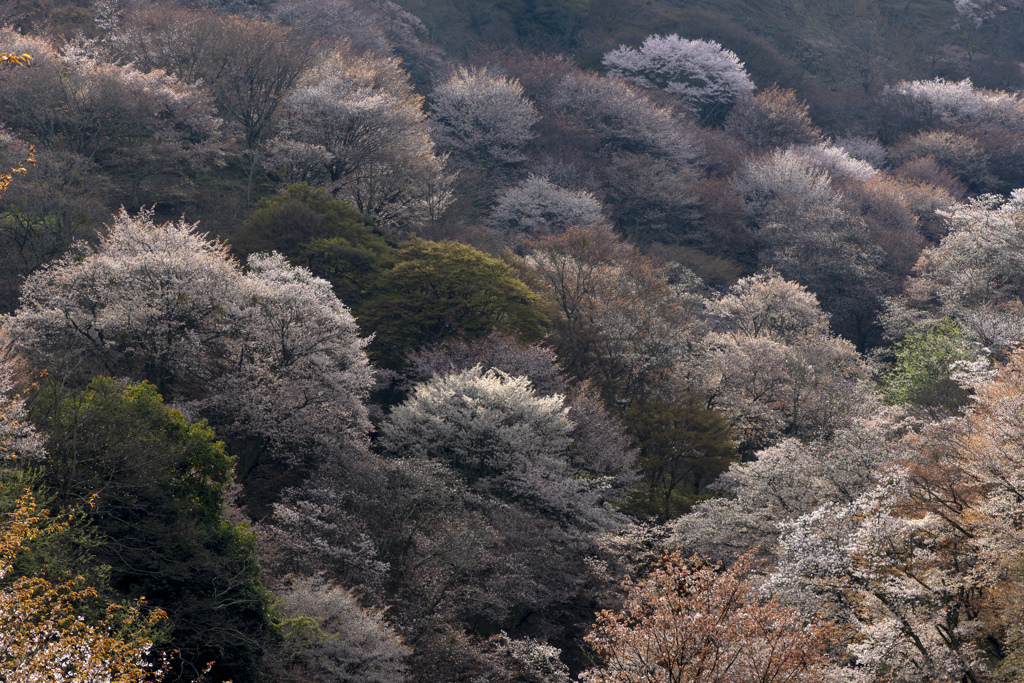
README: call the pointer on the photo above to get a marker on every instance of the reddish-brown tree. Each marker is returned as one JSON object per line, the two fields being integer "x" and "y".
{"x": 690, "y": 622}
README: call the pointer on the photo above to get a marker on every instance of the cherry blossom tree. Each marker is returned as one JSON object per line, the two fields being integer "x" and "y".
{"x": 620, "y": 323}
{"x": 18, "y": 438}
{"x": 766, "y": 305}
{"x": 865, "y": 149}
{"x": 702, "y": 72}
{"x": 959, "y": 103}
{"x": 772, "y": 118}
{"x": 920, "y": 568}
{"x": 327, "y": 635}
{"x": 787, "y": 480}
{"x": 894, "y": 577}
{"x": 270, "y": 356}
{"x": 973, "y": 275}
{"x": 978, "y": 12}
{"x": 536, "y": 207}
{"x": 783, "y": 181}
{"x": 491, "y": 428}
{"x": 966, "y": 125}
{"x": 316, "y": 530}
{"x": 774, "y": 368}
{"x": 354, "y": 125}
{"x": 811, "y": 232}
{"x": 132, "y": 123}
{"x": 611, "y": 116}
{"x": 599, "y": 442}
{"x": 787, "y": 183}
{"x": 482, "y": 117}
{"x": 247, "y": 64}
{"x": 414, "y": 535}
{"x": 525, "y": 659}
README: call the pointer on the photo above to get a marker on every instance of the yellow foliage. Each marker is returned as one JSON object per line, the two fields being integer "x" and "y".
{"x": 41, "y": 635}
{"x": 6, "y": 178}
{"x": 9, "y": 59}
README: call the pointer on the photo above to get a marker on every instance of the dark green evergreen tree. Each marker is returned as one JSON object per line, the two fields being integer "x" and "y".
{"x": 152, "y": 486}
{"x": 437, "y": 290}
{"x": 313, "y": 230}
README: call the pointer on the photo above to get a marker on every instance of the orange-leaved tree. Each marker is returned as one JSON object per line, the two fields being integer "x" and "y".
{"x": 11, "y": 59}
{"x": 6, "y": 178}
{"x": 691, "y": 622}
{"x": 43, "y": 637}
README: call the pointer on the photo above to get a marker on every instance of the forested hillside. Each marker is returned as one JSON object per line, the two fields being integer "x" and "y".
{"x": 521, "y": 341}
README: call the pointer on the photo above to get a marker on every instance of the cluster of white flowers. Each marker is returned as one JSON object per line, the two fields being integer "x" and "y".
{"x": 271, "y": 351}
{"x": 502, "y": 437}
{"x": 484, "y": 117}
{"x": 959, "y": 103}
{"x": 536, "y": 207}
{"x": 700, "y": 71}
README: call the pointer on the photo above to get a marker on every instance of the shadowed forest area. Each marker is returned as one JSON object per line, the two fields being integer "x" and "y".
{"x": 518, "y": 341}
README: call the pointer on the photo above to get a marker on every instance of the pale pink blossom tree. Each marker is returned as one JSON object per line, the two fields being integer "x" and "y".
{"x": 484, "y": 117}
{"x": 354, "y": 125}
{"x": 702, "y": 72}
{"x": 328, "y": 636}
{"x": 270, "y": 356}
{"x": 537, "y": 207}
{"x": 131, "y": 123}
{"x": 504, "y": 439}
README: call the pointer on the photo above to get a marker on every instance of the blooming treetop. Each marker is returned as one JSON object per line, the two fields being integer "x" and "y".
{"x": 700, "y": 71}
